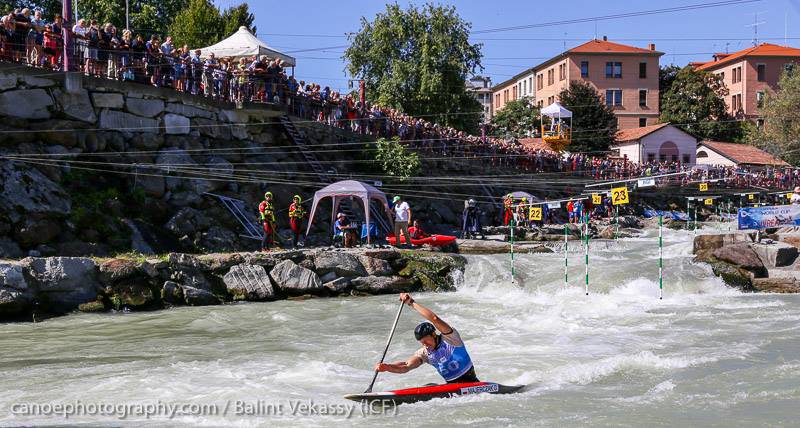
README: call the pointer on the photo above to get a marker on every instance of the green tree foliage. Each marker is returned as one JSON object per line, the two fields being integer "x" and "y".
{"x": 695, "y": 102}
{"x": 417, "y": 60}
{"x": 49, "y": 8}
{"x": 666, "y": 75}
{"x": 146, "y": 16}
{"x": 235, "y": 17}
{"x": 395, "y": 160}
{"x": 518, "y": 118}
{"x": 780, "y": 134}
{"x": 594, "y": 124}
{"x": 191, "y": 26}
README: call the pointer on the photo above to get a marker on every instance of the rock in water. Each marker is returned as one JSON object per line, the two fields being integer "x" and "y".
{"x": 743, "y": 256}
{"x": 249, "y": 282}
{"x": 777, "y": 254}
{"x": 295, "y": 280}
{"x": 15, "y": 296}
{"x": 172, "y": 293}
{"x": 383, "y": 284}
{"x": 197, "y": 297}
{"x": 376, "y": 267}
{"x": 64, "y": 283}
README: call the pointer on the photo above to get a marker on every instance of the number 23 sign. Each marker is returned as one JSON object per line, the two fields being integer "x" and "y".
{"x": 619, "y": 195}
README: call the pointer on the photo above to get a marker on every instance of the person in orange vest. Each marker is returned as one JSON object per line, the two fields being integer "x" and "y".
{"x": 296, "y": 214}
{"x": 508, "y": 209}
{"x": 267, "y": 211}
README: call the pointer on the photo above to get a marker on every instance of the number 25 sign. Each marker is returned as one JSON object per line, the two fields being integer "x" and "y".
{"x": 619, "y": 195}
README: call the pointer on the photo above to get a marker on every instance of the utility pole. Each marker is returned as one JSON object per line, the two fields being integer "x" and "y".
{"x": 127, "y": 13}
{"x": 755, "y": 25}
{"x": 66, "y": 30}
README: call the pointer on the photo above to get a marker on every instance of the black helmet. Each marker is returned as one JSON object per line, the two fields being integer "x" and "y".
{"x": 424, "y": 329}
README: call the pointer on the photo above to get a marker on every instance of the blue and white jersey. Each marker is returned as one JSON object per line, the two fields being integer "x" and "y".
{"x": 450, "y": 358}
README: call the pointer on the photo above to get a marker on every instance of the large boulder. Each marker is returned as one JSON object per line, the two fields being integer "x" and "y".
{"x": 295, "y": 280}
{"x": 26, "y": 103}
{"x": 26, "y": 190}
{"x": 383, "y": 284}
{"x": 776, "y": 285}
{"x": 198, "y": 297}
{"x": 144, "y": 107}
{"x": 175, "y": 124}
{"x": 118, "y": 120}
{"x": 741, "y": 255}
{"x": 76, "y": 105}
{"x": 172, "y": 160}
{"x": 33, "y": 232}
{"x": 218, "y": 238}
{"x": 9, "y": 249}
{"x": 343, "y": 264}
{"x": 108, "y": 100}
{"x": 15, "y": 295}
{"x": 376, "y": 267}
{"x": 133, "y": 295}
{"x": 776, "y": 254}
{"x": 188, "y": 221}
{"x": 188, "y": 111}
{"x": 249, "y": 282}
{"x": 172, "y": 293}
{"x": 118, "y": 269}
{"x": 63, "y": 283}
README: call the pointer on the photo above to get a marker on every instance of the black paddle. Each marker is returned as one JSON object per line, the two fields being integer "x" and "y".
{"x": 388, "y": 341}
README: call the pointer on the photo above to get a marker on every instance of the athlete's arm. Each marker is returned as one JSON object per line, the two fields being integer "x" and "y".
{"x": 400, "y": 366}
{"x": 426, "y": 313}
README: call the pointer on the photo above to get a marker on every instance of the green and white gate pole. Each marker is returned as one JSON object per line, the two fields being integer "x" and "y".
{"x": 512, "y": 250}
{"x": 586, "y": 252}
{"x": 660, "y": 258}
{"x": 688, "y": 213}
{"x": 695, "y": 221}
{"x": 616, "y": 222}
{"x": 566, "y": 260}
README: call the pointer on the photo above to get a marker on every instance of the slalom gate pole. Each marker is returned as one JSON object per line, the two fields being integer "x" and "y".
{"x": 688, "y": 218}
{"x": 512, "y": 250}
{"x": 660, "y": 257}
{"x": 586, "y": 247}
{"x": 566, "y": 260}
{"x": 695, "y": 221}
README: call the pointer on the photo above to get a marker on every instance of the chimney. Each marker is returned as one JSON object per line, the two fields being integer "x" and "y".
{"x": 605, "y": 38}
{"x": 652, "y": 46}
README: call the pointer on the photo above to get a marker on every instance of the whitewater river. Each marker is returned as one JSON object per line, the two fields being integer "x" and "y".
{"x": 704, "y": 355}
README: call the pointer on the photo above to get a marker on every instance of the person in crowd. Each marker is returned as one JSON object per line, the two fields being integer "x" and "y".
{"x": 79, "y": 32}
{"x": 521, "y": 212}
{"x": 402, "y": 216}
{"x": 344, "y": 229}
{"x": 296, "y": 214}
{"x": 795, "y": 199}
{"x": 267, "y": 212}
{"x": 416, "y": 231}
{"x": 471, "y": 221}
{"x": 92, "y": 53}
{"x": 35, "y": 39}
{"x": 139, "y": 59}
{"x": 508, "y": 209}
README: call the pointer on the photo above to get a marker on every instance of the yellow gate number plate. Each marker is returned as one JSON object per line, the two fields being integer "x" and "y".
{"x": 597, "y": 199}
{"x": 709, "y": 201}
{"x": 536, "y": 213}
{"x": 703, "y": 187}
{"x": 751, "y": 196}
{"x": 619, "y": 195}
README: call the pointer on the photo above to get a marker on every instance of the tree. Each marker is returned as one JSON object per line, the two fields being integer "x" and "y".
{"x": 666, "y": 76}
{"x": 235, "y": 17}
{"x": 192, "y": 25}
{"x": 49, "y": 8}
{"x": 395, "y": 160}
{"x": 695, "y": 102}
{"x": 146, "y": 16}
{"x": 780, "y": 134}
{"x": 518, "y": 118}
{"x": 594, "y": 124}
{"x": 417, "y": 60}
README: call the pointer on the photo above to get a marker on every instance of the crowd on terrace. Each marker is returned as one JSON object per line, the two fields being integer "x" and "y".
{"x": 102, "y": 50}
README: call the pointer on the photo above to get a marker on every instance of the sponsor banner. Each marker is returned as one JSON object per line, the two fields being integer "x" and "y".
{"x": 554, "y": 205}
{"x": 772, "y": 216}
{"x": 646, "y": 182}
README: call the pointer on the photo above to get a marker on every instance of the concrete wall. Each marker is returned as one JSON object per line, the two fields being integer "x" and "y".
{"x": 712, "y": 158}
{"x": 655, "y": 143}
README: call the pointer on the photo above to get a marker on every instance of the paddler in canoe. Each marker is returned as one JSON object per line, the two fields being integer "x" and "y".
{"x": 444, "y": 350}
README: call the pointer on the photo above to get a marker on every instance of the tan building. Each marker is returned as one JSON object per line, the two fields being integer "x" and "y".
{"x": 481, "y": 88}
{"x": 732, "y": 154}
{"x": 750, "y": 73}
{"x": 625, "y": 76}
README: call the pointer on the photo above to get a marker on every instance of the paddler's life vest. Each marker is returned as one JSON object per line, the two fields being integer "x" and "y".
{"x": 267, "y": 211}
{"x": 450, "y": 361}
{"x": 296, "y": 210}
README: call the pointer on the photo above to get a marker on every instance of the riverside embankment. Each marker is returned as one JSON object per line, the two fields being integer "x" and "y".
{"x": 34, "y": 288}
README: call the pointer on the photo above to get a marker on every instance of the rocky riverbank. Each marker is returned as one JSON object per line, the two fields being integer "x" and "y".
{"x": 36, "y": 288}
{"x": 771, "y": 265}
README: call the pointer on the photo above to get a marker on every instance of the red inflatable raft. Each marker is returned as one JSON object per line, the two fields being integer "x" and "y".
{"x": 432, "y": 240}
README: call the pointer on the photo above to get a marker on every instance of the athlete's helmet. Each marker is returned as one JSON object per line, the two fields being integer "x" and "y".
{"x": 424, "y": 329}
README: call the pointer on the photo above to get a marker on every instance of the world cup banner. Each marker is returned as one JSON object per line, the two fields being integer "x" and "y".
{"x": 764, "y": 217}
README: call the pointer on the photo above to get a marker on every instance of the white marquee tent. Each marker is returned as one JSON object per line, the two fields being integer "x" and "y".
{"x": 244, "y": 44}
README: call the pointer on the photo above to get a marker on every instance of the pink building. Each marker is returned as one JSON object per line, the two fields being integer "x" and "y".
{"x": 625, "y": 76}
{"x": 750, "y": 73}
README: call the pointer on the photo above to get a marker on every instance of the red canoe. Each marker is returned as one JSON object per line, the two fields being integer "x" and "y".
{"x": 432, "y": 240}
{"x": 423, "y": 393}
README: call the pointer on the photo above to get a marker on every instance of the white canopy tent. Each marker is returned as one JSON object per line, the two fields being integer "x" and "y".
{"x": 243, "y": 43}
{"x": 556, "y": 110}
